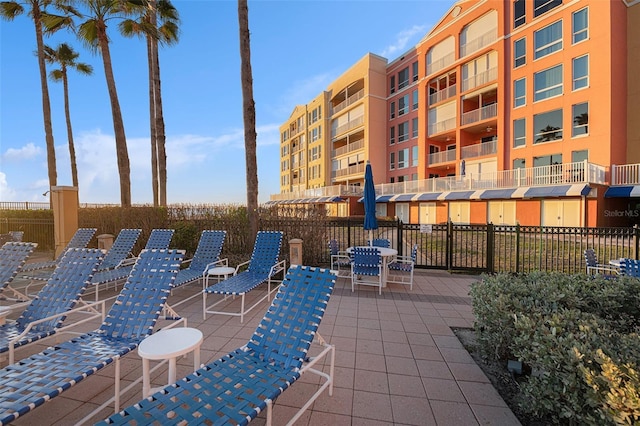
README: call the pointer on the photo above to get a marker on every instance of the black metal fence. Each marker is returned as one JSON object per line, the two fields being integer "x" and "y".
{"x": 469, "y": 248}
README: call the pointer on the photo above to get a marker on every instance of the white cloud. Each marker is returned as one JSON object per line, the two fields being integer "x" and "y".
{"x": 302, "y": 91}
{"x": 402, "y": 40}
{"x": 6, "y": 193}
{"x": 27, "y": 152}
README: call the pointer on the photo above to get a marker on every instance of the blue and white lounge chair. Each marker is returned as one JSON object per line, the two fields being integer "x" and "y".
{"x": 13, "y": 256}
{"x": 262, "y": 267}
{"x": 400, "y": 270}
{"x": 35, "y": 380}
{"x": 630, "y": 267}
{"x": 366, "y": 268}
{"x": 237, "y": 387}
{"x": 44, "y": 316}
{"x": 159, "y": 239}
{"x": 79, "y": 240}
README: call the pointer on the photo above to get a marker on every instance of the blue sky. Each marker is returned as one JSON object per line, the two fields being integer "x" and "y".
{"x": 297, "y": 48}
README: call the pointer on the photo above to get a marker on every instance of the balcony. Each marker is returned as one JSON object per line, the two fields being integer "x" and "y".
{"x": 479, "y": 114}
{"x": 478, "y": 42}
{"x": 349, "y": 101}
{"x": 356, "y": 122}
{"x": 441, "y": 63}
{"x": 442, "y": 126}
{"x": 626, "y": 174}
{"x": 325, "y": 191}
{"x": 479, "y": 150}
{"x": 480, "y": 79}
{"x": 442, "y": 157}
{"x": 357, "y": 169}
{"x": 443, "y": 94}
{"x": 355, "y": 146}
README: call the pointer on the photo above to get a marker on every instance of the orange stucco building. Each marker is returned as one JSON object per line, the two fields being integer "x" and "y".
{"x": 505, "y": 112}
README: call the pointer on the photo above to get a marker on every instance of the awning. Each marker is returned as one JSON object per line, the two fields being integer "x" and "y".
{"x": 496, "y": 194}
{"x": 623, "y": 191}
{"x": 459, "y": 195}
{"x": 557, "y": 191}
{"x": 383, "y": 198}
{"x": 427, "y": 196}
{"x": 403, "y": 197}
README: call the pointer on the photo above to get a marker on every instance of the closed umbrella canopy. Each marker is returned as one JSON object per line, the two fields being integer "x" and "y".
{"x": 370, "y": 222}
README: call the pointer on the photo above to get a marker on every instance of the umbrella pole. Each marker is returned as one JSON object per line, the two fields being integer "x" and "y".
{"x": 370, "y": 237}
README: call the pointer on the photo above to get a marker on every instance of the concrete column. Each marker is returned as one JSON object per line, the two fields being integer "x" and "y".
{"x": 65, "y": 204}
{"x": 295, "y": 251}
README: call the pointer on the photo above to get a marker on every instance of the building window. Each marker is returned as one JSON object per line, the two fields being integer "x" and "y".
{"x": 579, "y": 156}
{"x": 392, "y": 84}
{"x": 403, "y": 105}
{"x": 542, "y": 6}
{"x": 403, "y": 78}
{"x": 414, "y": 158}
{"x": 519, "y": 132}
{"x": 547, "y": 126}
{"x": 393, "y": 110}
{"x": 316, "y": 133}
{"x": 520, "y": 52}
{"x": 580, "y": 72}
{"x": 580, "y": 24}
{"x": 403, "y": 131}
{"x": 519, "y": 92}
{"x": 392, "y": 135}
{"x": 519, "y": 163}
{"x": 547, "y": 83}
{"x": 392, "y": 161}
{"x": 414, "y": 127}
{"x": 403, "y": 158}
{"x": 519, "y": 13}
{"x": 414, "y": 71}
{"x": 580, "y": 114}
{"x": 547, "y": 40}
{"x": 547, "y": 160}
{"x": 414, "y": 103}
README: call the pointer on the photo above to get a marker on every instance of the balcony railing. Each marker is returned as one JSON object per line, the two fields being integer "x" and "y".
{"x": 479, "y": 42}
{"x": 480, "y": 114}
{"x": 443, "y": 94}
{"x": 351, "y": 170}
{"x": 626, "y": 174}
{"x": 479, "y": 79}
{"x": 354, "y": 146}
{"x": 479, "y": 149}
{"x": 441, "y": 63}
{"x": 349, "y": 101}
{"x": 325, "y": 191}
{"x": 442, "y": 126}
{"x": 356, "y": 122}
{"x": 442, "y": 157}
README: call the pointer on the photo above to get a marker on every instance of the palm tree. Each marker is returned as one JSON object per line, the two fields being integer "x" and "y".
{"x": 9, "y": 10}
{"x": 66, "y": 57}
{"x": 166, "y": 33}
{"x": 249, "y": 116}
{"x": 93, "y": 33}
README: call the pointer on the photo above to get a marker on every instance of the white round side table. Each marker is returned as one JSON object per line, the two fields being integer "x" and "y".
{"x": 220, "y": 272}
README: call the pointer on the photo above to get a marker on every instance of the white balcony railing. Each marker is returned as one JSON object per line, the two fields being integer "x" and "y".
{"x": 478, "y": 42}
{"x": 479, "y": 149}
{"x": 443, "y": 94}
{"x": 325, "y": 191}
{"x": 442, "y": 157}
{"x": 626, "y": 174}
{"x": 356, "y": 169}
{"x": 356, "y": 122}
{"x": 442, "y": 126}
{"x": 349, "y": 101}
{"x": 441, "y": 63}
{"x": 354, "y": 146}
{"x": 480, "y": 114}
{"x": 479, "y": 79}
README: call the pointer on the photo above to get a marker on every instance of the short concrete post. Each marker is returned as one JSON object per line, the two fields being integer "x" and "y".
{"x": 105, "y": 241}
{"x": 295, "y": 251}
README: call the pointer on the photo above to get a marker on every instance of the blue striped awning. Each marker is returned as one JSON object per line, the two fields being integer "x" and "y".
{"x": 403, "y": 197}
{"x": 428, "y": 196}
{"x": 496, "y": 194}
{"x": 557, "y": 191}
{"x": 623, "y": 191}
{"x": 459, "y": 195}
{"x": 383, "y": 198}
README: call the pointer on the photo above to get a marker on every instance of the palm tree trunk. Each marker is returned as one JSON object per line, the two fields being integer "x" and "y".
{"x": 67, "y": 113}
{"x": 152, "y": 125}
{"x": 46, "y": 103}
{"x": 249, "y": 116}
{"x": 159, "y": 124}
{"x": 118, "y": 124}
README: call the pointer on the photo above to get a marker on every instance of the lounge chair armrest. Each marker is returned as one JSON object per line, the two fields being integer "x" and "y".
{"x": 278, "y": 267}
{"x": 216, "y": 264}
{"x": 241, "y": 265}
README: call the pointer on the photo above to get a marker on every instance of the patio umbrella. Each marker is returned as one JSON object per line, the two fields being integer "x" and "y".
{"x": 370, "y": 222}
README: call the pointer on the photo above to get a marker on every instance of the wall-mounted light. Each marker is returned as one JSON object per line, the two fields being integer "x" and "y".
{"x": 44, "y": 194}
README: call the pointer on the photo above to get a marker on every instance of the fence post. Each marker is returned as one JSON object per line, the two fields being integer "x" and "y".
{"x": 349, "y": 232}
{"x": 399, "y": 237}
{"x": 449, "y": 245}
{"x": 517, "y": 248}
{"x": 490, "y": 248}
{"x": 636, "y": 234}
